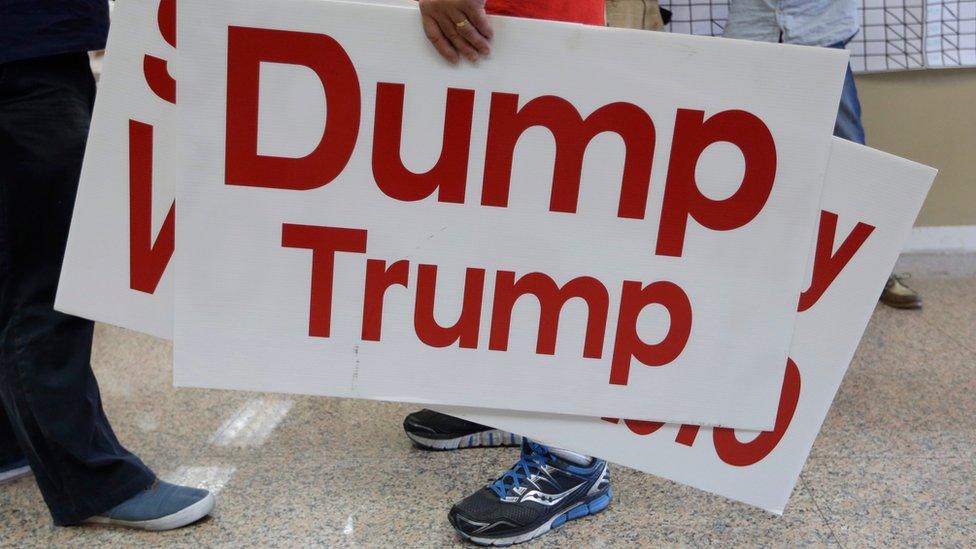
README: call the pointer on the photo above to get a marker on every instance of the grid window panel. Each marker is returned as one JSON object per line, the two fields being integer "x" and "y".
{"x": 894, "y": 35}
{"x": 951, "y": 28}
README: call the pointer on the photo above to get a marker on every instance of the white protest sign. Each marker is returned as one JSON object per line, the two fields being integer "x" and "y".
{"x": 122, "y": 229}
{"x": 870, "y": 202}
{"x": 122, "y": 232}
{"x": 311, "y": 215}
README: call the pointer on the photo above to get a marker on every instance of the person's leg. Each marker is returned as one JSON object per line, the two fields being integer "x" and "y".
{"x": 848, "y": 123}
{"x": 13, "y": 464}
{"x": 848, "y": 126}
{"x": 9, "y": 447}
{"x": 47, "y": 387}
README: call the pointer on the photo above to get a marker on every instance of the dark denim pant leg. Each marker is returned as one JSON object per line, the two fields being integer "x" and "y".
{"x": 9, "y": 447}
{"x": 848, "y": 124}
{"x": 47, "y": 387}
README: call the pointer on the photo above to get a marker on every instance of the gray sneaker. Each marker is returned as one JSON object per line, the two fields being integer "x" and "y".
{"x": 13, "y": 471}
{"x": 162, "y": 506}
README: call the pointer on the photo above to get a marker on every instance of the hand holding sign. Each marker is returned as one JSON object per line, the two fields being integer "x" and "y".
{"x": 457, "y": 27}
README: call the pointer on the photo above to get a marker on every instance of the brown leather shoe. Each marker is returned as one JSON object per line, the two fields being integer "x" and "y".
{"x": 899, "y": 296}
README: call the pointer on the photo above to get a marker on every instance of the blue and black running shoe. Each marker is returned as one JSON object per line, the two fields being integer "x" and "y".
{"x": 544, "y": 490}
{"x": 432, "y": 430}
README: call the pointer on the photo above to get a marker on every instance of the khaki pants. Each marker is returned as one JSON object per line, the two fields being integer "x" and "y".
{"x": 634, "y": 14}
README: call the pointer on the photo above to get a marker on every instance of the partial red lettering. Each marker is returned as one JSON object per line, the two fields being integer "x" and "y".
{"x": 629, "y": 344}
{"x": 247, "y": 48}
{"x": 324, "y": 243}
{"x": 682, "y": 199}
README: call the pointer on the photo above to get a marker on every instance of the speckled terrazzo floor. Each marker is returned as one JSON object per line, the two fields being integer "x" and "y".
{"x": 894, "y": 465}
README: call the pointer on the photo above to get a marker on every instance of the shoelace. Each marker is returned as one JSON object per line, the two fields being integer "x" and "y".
{"x": 530, "y": 462}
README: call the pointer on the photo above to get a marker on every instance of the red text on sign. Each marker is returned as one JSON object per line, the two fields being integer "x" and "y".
{"x": 571, "y": 132}
{"x": 381, "y": 277}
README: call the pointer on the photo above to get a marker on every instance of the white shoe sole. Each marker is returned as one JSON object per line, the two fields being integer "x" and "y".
{"x": 584, "y": 509}
{"x": 14, "y": 474}
{"x": 179, "y": 519}
{"x": 484, "y": 439}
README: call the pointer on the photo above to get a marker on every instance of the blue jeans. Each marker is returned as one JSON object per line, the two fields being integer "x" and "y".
{"x": 50, "y": 408}
{"x": 848, "y": 124}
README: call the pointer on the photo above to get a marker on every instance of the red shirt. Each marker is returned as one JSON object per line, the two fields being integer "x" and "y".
{"x": 591, "y": 12}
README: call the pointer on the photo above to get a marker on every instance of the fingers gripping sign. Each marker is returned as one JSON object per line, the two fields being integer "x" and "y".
{"x": 457, "y": 27}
